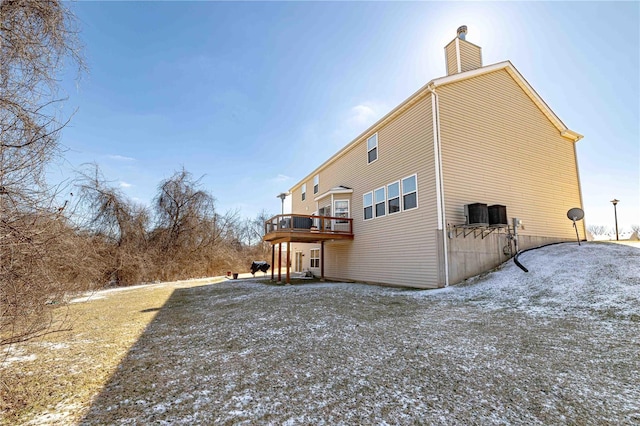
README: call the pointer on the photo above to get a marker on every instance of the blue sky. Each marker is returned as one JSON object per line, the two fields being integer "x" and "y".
{"x": 254, "y": 96}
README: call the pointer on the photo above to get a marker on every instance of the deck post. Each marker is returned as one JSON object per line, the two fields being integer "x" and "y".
{"x": 279, "y": 262}
{"x": 288, "y": 263}
{"x": 322, "y": 260}
{"x": 273, "y": 258}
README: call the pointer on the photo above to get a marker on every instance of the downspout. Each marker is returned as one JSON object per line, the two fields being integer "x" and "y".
{"x": 575, "y": 156}
{"x": 435, "y": 109}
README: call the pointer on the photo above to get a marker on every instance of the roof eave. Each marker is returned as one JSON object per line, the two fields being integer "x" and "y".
{"x": 437, "y": 82}
{"x": 570, "y": 134}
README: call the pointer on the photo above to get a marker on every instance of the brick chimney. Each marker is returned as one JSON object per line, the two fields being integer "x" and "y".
{"x": 461, "y": 55}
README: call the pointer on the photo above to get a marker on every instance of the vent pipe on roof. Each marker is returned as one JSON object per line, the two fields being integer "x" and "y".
{"x": 462, "y": 32}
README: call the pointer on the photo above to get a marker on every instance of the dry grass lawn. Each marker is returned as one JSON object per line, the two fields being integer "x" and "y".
{"x": 53, "y": 380}
{"x": 558, "y": 345}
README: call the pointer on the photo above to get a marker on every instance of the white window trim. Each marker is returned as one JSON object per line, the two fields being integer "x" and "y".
{"x": 383, "y": 202}
{"x": 364, "y": 206}
{"x": 335, "y": 210}
{"x": 312, "y": 258}
{"x": 402, "y": 194}
{"x": 399, "y": 197}
{"x": 342, "y": 201}
{"x": 316, "y": 184}
{"x": 304, "y": 191}
{"x": 376, "y": 148}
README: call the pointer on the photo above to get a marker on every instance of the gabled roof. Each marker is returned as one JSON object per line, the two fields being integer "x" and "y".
{"x": 524, "y": 85}
{"x": 433, "y": 84}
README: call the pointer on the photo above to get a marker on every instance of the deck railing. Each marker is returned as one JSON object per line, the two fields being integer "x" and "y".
{"x": 309, "y": 223}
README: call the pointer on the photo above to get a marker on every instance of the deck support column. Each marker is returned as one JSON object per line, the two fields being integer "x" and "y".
{"x": 273, "y": 259}
{"x": 322, "y": 260}
{"x": 279, "y": 262}
{"x": 288, "y": 263}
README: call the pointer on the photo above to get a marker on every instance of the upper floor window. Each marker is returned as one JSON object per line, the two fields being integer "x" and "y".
{"x": 379, "y": 197}
{"x": 367, "y": 202}
{"x": 372, "y": 148}
{"x": 393, "y": 197}
{"x": 316, "y": 183}
{"x": 304, "y": 191}
{"x": 409, "y": 193}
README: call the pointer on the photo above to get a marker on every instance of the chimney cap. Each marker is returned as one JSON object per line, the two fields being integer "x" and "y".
{"x": 462, "y": 32}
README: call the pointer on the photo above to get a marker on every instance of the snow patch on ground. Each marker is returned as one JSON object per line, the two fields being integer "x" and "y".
{"x": 557, "y": 345}
{"x": 60, "y": 415}
{"x": 596, "y": 281}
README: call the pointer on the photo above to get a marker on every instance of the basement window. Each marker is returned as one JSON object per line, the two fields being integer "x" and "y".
{"x": 372, "y": 148}
{"x": 314, "y": 258}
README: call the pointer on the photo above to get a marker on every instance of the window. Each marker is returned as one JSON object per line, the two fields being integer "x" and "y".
{"x": 409, "y": 193}
{"x": 341, "y": 208}
{"x": 316, "y": 182}
{"x": 326, "y": 212}
{"x": 379, "y": 197}
{"x": 367, "y": 202}
{"x": 314, "y": 258}
{"x": 304, "y": 191}
{"x": 372, "y": 148}
{"x": 393, "y": 197}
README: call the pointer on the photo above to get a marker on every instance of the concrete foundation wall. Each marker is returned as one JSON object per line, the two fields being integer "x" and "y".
{"x": 470, "y": 255}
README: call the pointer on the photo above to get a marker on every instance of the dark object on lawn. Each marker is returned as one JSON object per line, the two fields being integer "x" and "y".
{"x": 259, "y": 266}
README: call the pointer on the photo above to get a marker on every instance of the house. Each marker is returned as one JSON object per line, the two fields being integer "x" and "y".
{"x": 470, "y": 168}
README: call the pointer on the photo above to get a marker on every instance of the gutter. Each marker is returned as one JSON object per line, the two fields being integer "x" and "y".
{"x": 435, "y": 110}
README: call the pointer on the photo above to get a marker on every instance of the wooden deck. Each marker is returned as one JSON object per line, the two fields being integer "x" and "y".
{"x": 295, "y": 228}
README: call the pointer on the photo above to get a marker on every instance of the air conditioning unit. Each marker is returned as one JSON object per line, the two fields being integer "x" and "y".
{"x": 498, "y": 215}
{"x": 477, "y": 214}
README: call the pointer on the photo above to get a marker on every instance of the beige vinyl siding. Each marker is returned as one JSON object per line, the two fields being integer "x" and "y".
{"x": 451, "y": 58}
{"x": 399, "y": 249}
{"x": 470, "y": 56}
{"x": 308, "y": 206}
{"x": 499, "y": 148}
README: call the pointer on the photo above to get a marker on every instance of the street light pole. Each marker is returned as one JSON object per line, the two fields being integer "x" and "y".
{"x": 615, "y": 215}
{"x": 282, "y": 196}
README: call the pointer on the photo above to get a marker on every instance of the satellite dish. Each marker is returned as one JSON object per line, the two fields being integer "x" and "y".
{"x": 575, "y": 214}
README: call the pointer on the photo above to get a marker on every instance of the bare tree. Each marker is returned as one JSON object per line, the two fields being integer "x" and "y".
{"x": 181, "y": 206}
{"x": 119, "y": 223}
{"x": 187, "y": 224}
{"x": 599, "y": 230}
{"x": 252, "y": 231}
{"x": 36, "y": 38}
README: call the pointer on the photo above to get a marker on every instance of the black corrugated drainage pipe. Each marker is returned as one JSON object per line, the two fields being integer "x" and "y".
{"x": 521, "y": 266}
